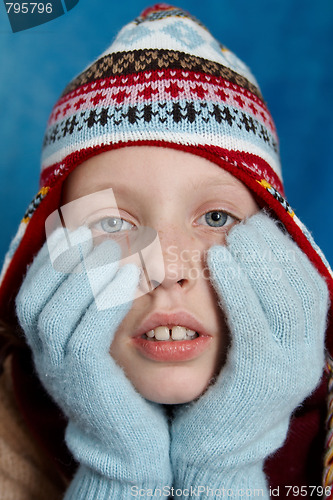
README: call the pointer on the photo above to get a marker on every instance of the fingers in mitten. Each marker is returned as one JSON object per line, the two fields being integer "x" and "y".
{"x": 266, "y": 255}
{"x": 302, "y": 313}
{"x": 39, "y": 286}
{"x": 313, "y": 290}
{"x": 95, "y": 332}
{"x": 238, "y": 298}
{"x": 263, "y": 228}
{"x": 70, "y": 302}
{"x": 280, "y": 248}
{"x": 274, "y": 261}
{"x": 41, "y": 259}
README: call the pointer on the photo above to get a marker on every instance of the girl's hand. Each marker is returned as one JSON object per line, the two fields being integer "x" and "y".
{"x": 275, "y": 304}
{"x": 120, "y": 439}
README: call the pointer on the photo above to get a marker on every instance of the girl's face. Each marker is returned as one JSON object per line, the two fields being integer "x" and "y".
{"x": 174, "y": 339}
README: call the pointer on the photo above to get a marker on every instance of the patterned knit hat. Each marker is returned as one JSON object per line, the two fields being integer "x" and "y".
{"x": 164, "y": 81}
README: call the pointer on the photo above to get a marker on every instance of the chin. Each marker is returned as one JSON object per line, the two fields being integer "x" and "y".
{"x": 173, "y": 389}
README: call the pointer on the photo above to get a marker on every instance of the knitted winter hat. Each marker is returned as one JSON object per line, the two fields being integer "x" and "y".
{"x": 164, "y": 81}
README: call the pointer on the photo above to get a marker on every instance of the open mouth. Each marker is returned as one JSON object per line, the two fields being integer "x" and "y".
{"x": 171, "y": 342}
{"x": 170, "y": 333}
{"x": 171, "y": 337}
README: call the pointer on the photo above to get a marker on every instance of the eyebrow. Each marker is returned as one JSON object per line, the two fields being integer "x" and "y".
{"x": 215, "y": 182}
{"x": 105, "y": 186}
{"x": 212, "y": 182}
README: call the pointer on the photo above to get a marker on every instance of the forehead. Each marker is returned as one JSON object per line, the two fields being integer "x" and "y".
{"x": 142, "y": 168}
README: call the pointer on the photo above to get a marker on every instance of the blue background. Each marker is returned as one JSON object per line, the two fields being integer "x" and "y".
{"x": 288, "y": 44}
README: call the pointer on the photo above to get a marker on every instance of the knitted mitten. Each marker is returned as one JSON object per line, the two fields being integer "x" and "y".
{"x": 276, "y": 304}
{"x": 120, "y": 439}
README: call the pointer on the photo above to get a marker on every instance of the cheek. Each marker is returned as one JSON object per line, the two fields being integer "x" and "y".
{"x": 216, "y": 236}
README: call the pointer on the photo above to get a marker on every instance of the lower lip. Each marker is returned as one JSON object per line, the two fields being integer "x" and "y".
{"x": 172, "y": 350}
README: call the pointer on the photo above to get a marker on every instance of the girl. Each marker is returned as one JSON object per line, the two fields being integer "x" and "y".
{"x": 196, "y": 368}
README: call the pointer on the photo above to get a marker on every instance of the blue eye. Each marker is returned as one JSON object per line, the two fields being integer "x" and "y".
{"x": 216, "y": 218}
{"x": 113, "y": 225}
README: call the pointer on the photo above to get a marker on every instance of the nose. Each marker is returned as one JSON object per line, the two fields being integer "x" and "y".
{"x": 174, "y": 259}
{"x": 182, "y": 258}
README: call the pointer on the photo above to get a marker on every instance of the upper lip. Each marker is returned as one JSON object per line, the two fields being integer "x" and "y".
{"x": 178, "y": 318}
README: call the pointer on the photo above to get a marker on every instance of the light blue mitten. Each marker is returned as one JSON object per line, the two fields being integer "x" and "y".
{"x": 276, "y": 304}
{"x": 120, "y": 439}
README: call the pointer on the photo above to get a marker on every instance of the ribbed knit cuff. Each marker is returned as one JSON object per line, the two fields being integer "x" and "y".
{"x": 235, "y": 482}
{"x": 89, "y": 485}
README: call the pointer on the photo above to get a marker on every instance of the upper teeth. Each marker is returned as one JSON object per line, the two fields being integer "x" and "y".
{"x": 174, "y": 333}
